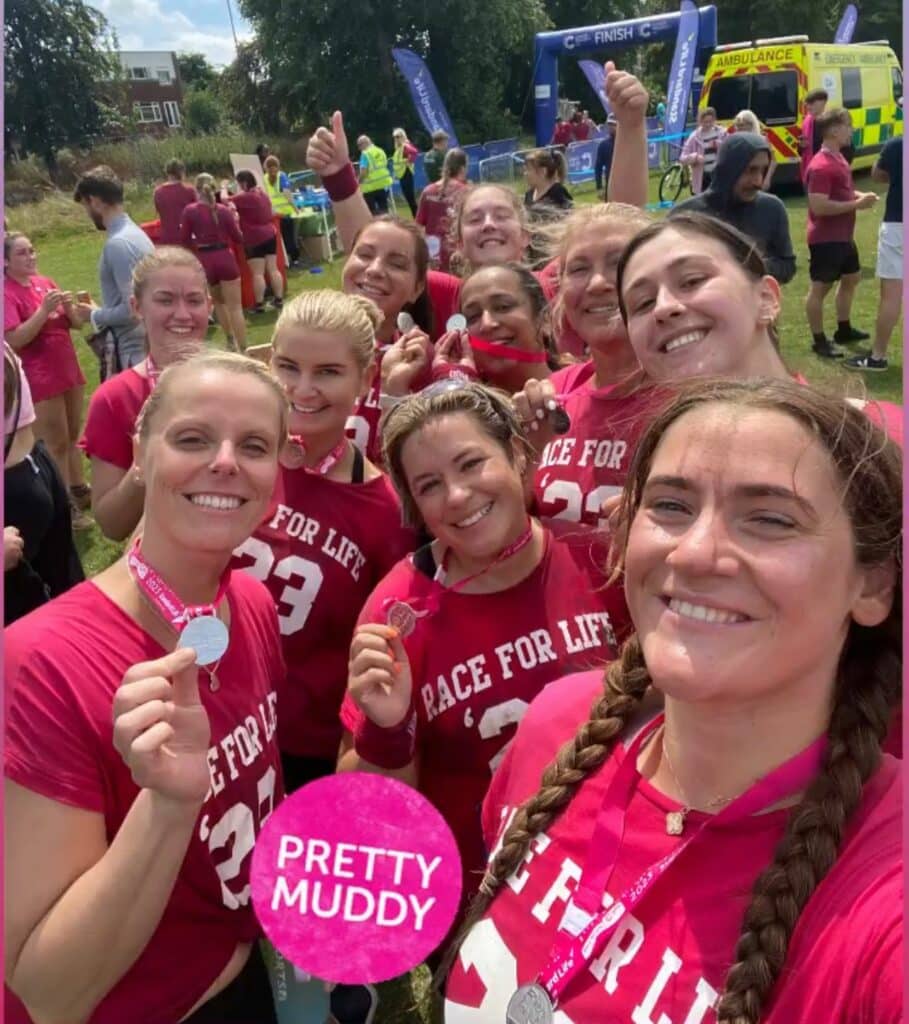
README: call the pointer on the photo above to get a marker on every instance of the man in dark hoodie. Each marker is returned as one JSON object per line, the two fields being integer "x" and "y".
{"x": 735, "y": 196}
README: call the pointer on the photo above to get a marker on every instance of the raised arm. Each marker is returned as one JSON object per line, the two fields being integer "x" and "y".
{"x": 329, "y": 156}
{"x": 628, "y": 176}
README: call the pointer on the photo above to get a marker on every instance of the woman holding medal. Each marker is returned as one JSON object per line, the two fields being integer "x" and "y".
{"x": 170, "y": 296}
{"x": 734, "y": 854}
{"x": 334, "y": 529}
{"x": 139, "y": 771}
{"x": 456, "y": 641}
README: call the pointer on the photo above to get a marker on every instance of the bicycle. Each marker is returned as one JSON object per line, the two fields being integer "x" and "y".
{"x": 676, "y": 177}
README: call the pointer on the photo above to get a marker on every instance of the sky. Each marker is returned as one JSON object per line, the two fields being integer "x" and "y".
{"x": 202, "y": 26}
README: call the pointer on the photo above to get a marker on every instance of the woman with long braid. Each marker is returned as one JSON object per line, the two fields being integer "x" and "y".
{"x": 734, "y": 856}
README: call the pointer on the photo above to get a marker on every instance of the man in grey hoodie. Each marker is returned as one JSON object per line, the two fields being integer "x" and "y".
{"x": 736, "y": 197}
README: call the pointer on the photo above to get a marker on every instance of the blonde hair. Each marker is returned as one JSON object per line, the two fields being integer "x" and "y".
{"x": 205, "y": 186}
{"x": 746, "y": 121}
{"x": 228, "y": 362}
{"x": 611, "y": 218}
{"x": 353, "y": 317}
{"x": 492, "y": 409}
{"x": 162, "y": 258}
{"x": 550, "y": 161}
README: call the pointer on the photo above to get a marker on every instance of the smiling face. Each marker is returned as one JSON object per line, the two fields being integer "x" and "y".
{"x": 383, "y": 267}
{"x": 174, "y": 305}
{"x": 740, "y": 569}
{"x": 490, "y": 228}
{"x": 692, "y": 311}
{"x": 750, "y": 181}
{"x": 322, "y": 379}
{"x": 22, "y": 260}
{"x": 468, "y": 491}
{"x": 588, "y": 285}
{"x": 210, "y": 459}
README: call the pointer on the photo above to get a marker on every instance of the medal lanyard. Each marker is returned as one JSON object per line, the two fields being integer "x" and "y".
{"x": 168, "y": 604}
{"x": 509, "y": 352}
{"x": 328, "y": 462}
{"x": 151, "y": 371}
{"x": 584, "y": 929}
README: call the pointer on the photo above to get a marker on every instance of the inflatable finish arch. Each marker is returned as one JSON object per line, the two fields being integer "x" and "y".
{"x": 616, "y": 35}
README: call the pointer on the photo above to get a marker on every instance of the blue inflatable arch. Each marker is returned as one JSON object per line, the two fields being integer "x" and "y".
{"x": 576, "y": 42}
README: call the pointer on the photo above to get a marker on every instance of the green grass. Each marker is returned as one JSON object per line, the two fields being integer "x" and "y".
{"x": 69, "y": 247}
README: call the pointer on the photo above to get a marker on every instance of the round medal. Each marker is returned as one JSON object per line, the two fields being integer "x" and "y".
{"x": 434, "y": 245}
{"x": 208, "y": 637}
{"x": 529, "y": 1005}
{"x": 456, "y": 322}
{"x": 405, "y": 322}
{"x": 402, "y": 618}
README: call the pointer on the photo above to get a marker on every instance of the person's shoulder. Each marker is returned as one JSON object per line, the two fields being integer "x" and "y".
{"x": 126, "y": 386}
{"x": 697, "y": 204}
{"x": 556, "y": 712}
{"x": 767, "y": 201}
{"x": 48, "y": 630}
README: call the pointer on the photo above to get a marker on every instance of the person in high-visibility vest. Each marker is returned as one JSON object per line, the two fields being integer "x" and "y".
{"x": 402, "y": 164}
{"x": 277, "y": 185}
{"x": 375, "y": 177}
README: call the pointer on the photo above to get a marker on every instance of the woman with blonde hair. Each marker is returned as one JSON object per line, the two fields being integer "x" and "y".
{"x": 545, "y": 171}
{"x": 209, "y": 228}
{"x": 403, "y": 157}
{"x": 437, "y": 205}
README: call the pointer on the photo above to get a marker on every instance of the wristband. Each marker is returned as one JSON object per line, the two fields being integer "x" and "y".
{"x": 341, "y": 185}
{"x": 388, "y": 748}
{"x": 455, "y": 371}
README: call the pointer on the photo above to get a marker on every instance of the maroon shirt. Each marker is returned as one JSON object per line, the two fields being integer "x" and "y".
{"x": 256, "y": 216}
{"x": 171, "y": 199}
{"x": 829, "y": 175}
{"x": 198, "y": 226}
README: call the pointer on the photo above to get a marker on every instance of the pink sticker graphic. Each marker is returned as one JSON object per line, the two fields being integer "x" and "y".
{"x": 356, "y": 878}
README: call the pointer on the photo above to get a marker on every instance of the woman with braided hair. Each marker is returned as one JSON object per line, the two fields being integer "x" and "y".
{"x": 732, "y": 856}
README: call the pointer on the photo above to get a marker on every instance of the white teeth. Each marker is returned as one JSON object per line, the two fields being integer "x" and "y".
{"x": 309, "y": 408}
{"x": 476, "y": 517}
{"x": 368, "y": 289}
{"x": 702, "y": 613}
{"x": 221, "y": 502}
{"x": 682, "y": 340}
{"x": 611, "y": 310}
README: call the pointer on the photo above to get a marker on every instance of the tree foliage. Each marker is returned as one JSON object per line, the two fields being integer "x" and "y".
{"x": 202, "y": 112}
{"x": 61, "y": 73}
{"x": 195, "y": 71}
{"x": 247, "y": 90}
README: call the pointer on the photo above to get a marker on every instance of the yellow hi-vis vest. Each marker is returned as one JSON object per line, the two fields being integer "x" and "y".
{"x": 399, "y": 162}
{"x": 378, "y": 175}
{"x": 280, "y": 204}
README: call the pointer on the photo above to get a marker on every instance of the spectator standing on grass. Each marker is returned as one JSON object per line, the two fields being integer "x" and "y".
{"x": 437, "y": 205}
{"x": 375, "y": 177}
{"x": 602, "y": 166}
{"x": 171, "y": 199}
{"x": 580, "y": 127}
{"x": 402, "y": 161}
{"x": 832, "y": 203}
{"x": 434, "y": 158}
{"x": 260, "y": 239}
{"x": 562, "y": 134}
{"x": 262, "y": 152}
{"x": 810, "y": 139}
{"x": 701, "y": 148}
{"x": 100, "y": 192}
{"x": 277, "y": 186}
{"x": 889, "y": 168}
{"x": 736, "y": 196}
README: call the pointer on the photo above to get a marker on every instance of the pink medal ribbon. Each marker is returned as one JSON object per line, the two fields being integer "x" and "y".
{"x": 152, "y": 372}
{"x": 198, "y": 625}
{"x": 500, "y": 351}
{"x": 328, "y": 462}
{"x": 585, "y": 927}
{"x": 403, "y": 617}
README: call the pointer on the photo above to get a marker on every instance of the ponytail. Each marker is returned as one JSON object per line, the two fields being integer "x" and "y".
{"x": 205, "y": 186}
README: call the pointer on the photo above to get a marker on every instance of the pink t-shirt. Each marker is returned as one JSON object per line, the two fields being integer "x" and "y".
{"x": 26, "y": 405}
{"x": 111, "y": 420}
{"x": 668, "y": 959}
{"x": 198, "y": 226}
{"x": 60, "y": 685}
{"x": 320, "y": 552}
{"x": 49, "y": 358}
{"x": 481, "y": 658}
{"x": 256, "y": 216}
{"x": 830, "y": 175}
{"x": 435, "y": 212}
{"x": 171, "y": 199}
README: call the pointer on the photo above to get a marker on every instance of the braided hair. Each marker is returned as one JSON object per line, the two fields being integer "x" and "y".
{"x": 866, "y": 688}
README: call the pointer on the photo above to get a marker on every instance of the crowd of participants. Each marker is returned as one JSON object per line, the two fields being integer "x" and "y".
{"x": 569, "y": 549}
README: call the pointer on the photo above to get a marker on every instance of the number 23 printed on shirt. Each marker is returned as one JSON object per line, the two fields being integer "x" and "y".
{"x": 578, "y": 508}
{"x": 299, "y": 598}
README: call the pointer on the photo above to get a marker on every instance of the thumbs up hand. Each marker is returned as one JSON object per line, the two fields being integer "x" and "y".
{"x": 328, "y": 152}
{"x": 161, "y": 729}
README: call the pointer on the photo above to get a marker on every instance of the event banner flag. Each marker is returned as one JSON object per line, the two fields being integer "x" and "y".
{"x": 426, "y": 98}
{"x": 846, "y": 26}
{"x": 682, "y": 71}
{"x": 595, "y": 74}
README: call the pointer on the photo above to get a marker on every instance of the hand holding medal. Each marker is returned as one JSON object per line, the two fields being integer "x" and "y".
{"x": 538, "y": 407}
{"x": 379, "y": 679}
{"x": 161, "y": 729}
{"x": 405, "y": 361}
{"x": 453, "y": 351}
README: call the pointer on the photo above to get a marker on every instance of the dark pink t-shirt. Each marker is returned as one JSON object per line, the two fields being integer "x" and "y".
{"x": 829, "y": 175}
{"x": 111, "y": 420}
{"x": 198, "y": 226}
{"x": 256, "y": 216}
{"x": 60, "y": 685}
{"x": 171, "y": 199}
{"x": 668, "y": 959}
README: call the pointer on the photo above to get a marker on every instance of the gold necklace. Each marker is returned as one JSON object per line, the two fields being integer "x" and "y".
{"x": 675, "y": 820}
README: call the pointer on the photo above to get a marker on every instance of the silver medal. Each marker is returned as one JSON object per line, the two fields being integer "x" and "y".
{"x": 208, "y": 637}
{"x": 456, "y": 322}
{"x": 529, "y": 1005}
{"x": 405, "y": 322}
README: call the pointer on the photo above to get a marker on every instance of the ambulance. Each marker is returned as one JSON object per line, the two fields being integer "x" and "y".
{"x": 772, "y": 77}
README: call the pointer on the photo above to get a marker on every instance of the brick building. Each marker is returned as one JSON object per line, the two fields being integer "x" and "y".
{"x": 155, "y": 94}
